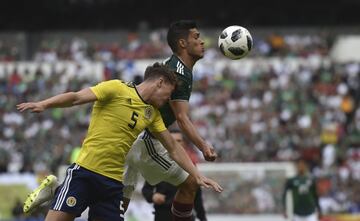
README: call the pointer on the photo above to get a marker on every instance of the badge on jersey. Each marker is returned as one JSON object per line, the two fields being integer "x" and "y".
{"x": 148, "y": 112}
{"x": 71, "y": 201}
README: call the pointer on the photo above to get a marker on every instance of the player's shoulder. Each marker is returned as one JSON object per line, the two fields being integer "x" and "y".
{"x": 170, "y": 61}
{"x": 175, "y": 63}
{"x": 112, "y": 82}
{"x": 117, "y": 85}
{"x": 290, "y": 179}
{"x": 121, "y": 83}
{"x": 293, "y": 179}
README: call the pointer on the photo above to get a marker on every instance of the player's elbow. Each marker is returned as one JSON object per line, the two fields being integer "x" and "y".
{"x": 75, "y": 98}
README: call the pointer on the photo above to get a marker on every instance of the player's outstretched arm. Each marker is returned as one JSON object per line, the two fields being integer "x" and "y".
{"x": 181, "y": 111}
{"x": 178, "y": 154}
{"x": 62, "y": 100}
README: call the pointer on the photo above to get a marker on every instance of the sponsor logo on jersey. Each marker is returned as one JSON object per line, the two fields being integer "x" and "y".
{"x": 180, "y": 68}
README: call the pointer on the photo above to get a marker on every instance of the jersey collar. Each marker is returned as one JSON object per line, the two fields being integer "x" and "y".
{"x": 138, "y": 93}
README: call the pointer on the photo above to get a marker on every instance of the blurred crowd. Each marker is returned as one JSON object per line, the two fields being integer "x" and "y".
{"x": 281, "y": 109}
{"x": 287, "y": 99}
{"x": 151, "y": 44}
{"x": 80, "y": 49}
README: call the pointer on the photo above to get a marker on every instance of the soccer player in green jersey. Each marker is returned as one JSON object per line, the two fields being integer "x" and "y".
{"x": 154, "y": 163}
{"x": 304, "y": 194}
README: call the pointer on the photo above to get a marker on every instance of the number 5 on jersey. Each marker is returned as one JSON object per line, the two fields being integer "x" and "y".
{"x": 134, "y": 118}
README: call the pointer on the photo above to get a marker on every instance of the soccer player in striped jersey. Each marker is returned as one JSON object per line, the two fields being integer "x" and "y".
{"x": 120, "y": 113}
{"x": 304, "y": 195}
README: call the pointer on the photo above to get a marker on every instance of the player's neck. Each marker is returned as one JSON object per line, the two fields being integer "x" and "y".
{"x": 302, "y": 174}
{"x": 143, "y": 91}
{"x": 187, "y": 60}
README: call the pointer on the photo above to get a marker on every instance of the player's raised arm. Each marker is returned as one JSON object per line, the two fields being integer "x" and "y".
{"x": 181, "y": 111}
{"x": 62, "y": 100}
{"x": 178, "y": 154}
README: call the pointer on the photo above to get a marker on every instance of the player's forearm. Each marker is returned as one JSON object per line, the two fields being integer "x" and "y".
{"x": 179, "y": 155}
{"x": 191, "y": 132}
{"x": 62, "y": 100}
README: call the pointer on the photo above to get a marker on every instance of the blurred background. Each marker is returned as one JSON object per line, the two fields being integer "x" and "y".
{"x": 296, "y": 95}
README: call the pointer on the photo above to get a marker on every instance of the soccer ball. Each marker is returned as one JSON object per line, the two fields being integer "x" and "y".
{"x": 235, "y": 42}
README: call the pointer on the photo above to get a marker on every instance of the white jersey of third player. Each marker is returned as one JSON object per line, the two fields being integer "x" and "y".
{"x": 149, "y": 157}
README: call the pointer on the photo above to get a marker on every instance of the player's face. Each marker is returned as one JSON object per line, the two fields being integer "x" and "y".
{"x": 302, "y": 167}
{"x": 162, "y": 94}
{"x": 178, "y": 137}
{"x": 195, "y": 45}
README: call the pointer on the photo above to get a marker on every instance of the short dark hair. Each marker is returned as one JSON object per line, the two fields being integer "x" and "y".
{"x": 177, "y": 30}
{"x": 161, "y": 70}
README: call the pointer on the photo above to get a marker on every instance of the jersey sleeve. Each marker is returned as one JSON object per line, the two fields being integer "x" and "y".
{"x": 157, "y": 125}
{"x": 106, "y": 89}
{"x": 182, "y": 91}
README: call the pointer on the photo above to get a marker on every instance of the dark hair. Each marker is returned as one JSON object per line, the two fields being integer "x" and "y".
{"x": 161, "y": 70}
{"x": 178, "y": 30}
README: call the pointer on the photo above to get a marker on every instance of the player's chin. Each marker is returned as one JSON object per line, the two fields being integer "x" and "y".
{"x": 199, "y": 56}
{"x": 202, "y": 53}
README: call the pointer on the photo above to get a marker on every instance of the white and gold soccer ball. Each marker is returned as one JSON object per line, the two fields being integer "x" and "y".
{"x": 235, "y": 42}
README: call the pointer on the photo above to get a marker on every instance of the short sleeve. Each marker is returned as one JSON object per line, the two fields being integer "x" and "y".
{"x": 157, "y": 125}
{"x": 183, "y": 90}
{"x": 106, "y": 89}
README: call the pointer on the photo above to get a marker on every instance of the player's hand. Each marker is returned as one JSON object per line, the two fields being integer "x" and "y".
{"x": 209, "y": 183}
{"x": 209, "y": 153}
{"x": 158, "y": 198}
{"x": 35, "y": 107}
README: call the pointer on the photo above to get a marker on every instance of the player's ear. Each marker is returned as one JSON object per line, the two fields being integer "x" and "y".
{"x": 182, "y": 43}
{"x": 160, "y": 82}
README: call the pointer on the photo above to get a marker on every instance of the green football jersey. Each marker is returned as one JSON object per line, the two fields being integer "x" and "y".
{"x": 304, "y": 195}
{"x": 182, "y": 91}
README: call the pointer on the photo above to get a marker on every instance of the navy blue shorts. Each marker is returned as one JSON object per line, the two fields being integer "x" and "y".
{"x": 83, "y": 188}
